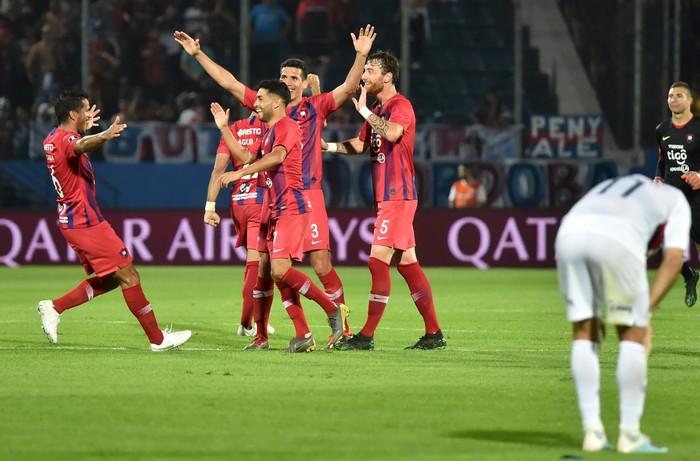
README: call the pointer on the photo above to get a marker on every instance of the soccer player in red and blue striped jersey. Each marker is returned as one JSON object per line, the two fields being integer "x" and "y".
{"x": 388, "y": 133}
{"x": 310, "y": 113}
{"x": 99, "y": 248}
{"x": 245, "y": 206}
{"x": 281, "y": 158}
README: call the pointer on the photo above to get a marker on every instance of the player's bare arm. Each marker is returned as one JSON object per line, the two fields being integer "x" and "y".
{"x": 352, "y": 146}
{"x": 211, "y": 217}
{"x": 223, "y": 77}
{"x": 385, "y": 128}
{"x": 271, "y": 160}
{"x": 221, "y": 118}
{"x": 362, "y": 44}
{"x": 665, "y": 276}
{"x": 92, "y": 142}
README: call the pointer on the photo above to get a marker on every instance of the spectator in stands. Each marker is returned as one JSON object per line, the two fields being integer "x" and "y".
{"x": 189, "y": 65}
{"x": 166, "y": 24}
{"x": 315, "y": 31}
{"x": 197, "y": 17}
{"x": 193, "y": 111}
{"x": 268, "y": 29}
{"x": 154, "y": 66}
{"x": 491, "y": 111}
{"x": 45, "y": 64}
{"x": 43, "y": 122}
{"x": 467, "y": 191}
{"x": 224, "y": 30}
{"x": 104, "y": 63}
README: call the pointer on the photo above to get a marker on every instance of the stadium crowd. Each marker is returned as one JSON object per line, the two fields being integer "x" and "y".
{"x": 136, "y": 69}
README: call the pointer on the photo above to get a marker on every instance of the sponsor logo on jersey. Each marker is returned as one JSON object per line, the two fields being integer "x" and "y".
{"x": 247, "y": 132}
{"x": 689, "y": 138}
{"x": 665, "y": 138}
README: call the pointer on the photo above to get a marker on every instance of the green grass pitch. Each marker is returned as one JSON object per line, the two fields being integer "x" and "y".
{"x": 502, "y": 390}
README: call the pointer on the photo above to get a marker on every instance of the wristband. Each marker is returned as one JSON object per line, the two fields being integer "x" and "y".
{"x": 210, "y": 206}
{"x": 332, "y": 147}
{"x": 365, "y": 112}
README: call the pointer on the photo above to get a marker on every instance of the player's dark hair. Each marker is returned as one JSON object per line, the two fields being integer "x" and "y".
{"x": 387, "y": 62}
{"x": 298, "y": 63}
{"x": 684, "y": 86}
{"x": 277, "y": 88}
{"x": 67, "y": 101}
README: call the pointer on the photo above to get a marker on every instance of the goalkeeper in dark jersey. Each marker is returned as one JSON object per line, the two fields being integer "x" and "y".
{"x": 678, "y": 139}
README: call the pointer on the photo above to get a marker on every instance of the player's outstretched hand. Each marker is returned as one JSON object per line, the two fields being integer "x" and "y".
{"x": 220, "y": 116}
{"x": 362, "y": 100}
{"x": 211, "y": 218}
{"x": 363, "y": 41}
{"x": 92, "y": 117}
{"x": 115, "y": 129}
{"x": 658, "y": 180}
{"x": 190, "y": 45}
{"x": 692, "y": 178}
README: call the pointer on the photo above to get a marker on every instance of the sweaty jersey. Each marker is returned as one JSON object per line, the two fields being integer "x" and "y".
{"x": 393, "y": 174}
{"x": 73, "y": 179}
{"x": 247, "y": 132}
{"x": 284, "y": 186}
{"x": 679, "y": 151}
{"x": 310, "y": 114}
{"x": 630, "y": 209}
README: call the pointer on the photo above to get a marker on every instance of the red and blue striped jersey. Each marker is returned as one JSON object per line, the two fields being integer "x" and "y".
{"x": 310, "y": 114}
{"x": 73, "y": 179}
{"x": 393, "y": 173}
{"x": 284, "y": 186}
{"x": 246, "y": 131}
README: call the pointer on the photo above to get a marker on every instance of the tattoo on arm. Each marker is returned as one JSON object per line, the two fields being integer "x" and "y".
{"x": 380, "y": 125}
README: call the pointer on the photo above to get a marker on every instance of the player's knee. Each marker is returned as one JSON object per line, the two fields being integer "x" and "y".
{"x": 128, "y": 277}
{"x": 277, "y": 274}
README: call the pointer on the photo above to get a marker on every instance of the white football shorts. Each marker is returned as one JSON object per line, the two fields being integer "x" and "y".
{"x": 594, "y": 272}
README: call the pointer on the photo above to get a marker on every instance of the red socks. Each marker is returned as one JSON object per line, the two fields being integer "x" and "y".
{"x": 262, "y": 303}
{"x": 84, "y": 292}
{"x": 141, "y": 308}
{"x": 249, "y": 279}
{"x": 303, "y": 284}
{"x": 334, "y": 290}
{"x": 290, "y": 300}
{"x": 421, "y": 293}
{"x": 378, "y": 295}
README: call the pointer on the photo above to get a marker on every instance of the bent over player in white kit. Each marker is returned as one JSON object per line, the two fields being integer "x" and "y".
{"x": 601, "y": 249}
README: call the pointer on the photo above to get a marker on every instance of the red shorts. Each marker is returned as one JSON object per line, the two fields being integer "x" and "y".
{"x": 246, "y": 220}
{"x": 394, "y": 224}
{"x": 265, "y": 216}
{"x": 317, "y": 236}
{"x": 99, "y": 248}
{"x": 284, "y": 236}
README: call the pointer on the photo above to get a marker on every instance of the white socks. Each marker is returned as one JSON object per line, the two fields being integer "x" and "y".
{"x": 585, "y": 369}
{"x": 632, "y": 383}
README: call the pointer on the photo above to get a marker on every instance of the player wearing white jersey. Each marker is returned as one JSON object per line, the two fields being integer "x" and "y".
{"x": 601, "y": 251}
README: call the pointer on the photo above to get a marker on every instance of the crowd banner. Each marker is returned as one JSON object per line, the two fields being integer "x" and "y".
{"x": 565, "y": 136}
